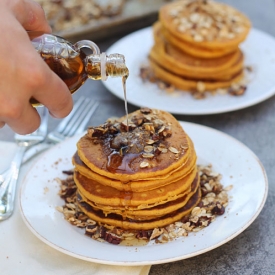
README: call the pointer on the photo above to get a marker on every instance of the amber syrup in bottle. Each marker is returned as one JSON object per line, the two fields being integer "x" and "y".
{"x": 74, "y": 66}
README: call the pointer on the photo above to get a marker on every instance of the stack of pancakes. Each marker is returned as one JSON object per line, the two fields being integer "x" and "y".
{"x": 197, "y": 45}
{"x": 138, "y": 173}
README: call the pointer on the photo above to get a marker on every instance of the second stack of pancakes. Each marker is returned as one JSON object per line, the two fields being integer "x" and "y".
{"x": 197, "y": 45}
{"x": 138, "y": 174}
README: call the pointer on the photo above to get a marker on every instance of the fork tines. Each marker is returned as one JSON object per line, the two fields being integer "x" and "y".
{"x": 76, "y": 121}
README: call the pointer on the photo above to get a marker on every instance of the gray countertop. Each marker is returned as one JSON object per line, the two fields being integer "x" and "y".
{"x": 253, "y": 251}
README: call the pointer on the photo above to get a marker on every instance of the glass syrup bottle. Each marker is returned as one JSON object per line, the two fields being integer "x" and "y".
{"x": 73, "y": 65}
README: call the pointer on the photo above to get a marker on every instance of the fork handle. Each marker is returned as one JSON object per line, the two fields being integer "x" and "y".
{"x": 8, "y": 199}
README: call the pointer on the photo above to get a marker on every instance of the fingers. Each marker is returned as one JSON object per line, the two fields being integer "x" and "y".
{"x": 43, "y": 84}
{"x": 54, "y": 94}
{"x": 26, "y": 74}
{"x": 24, "y": 122}
{"x": 2, "y": 124}
{"x": 51, "y": 91}
{"x": 35, "y": 19}
{"x": 30, "y": 15}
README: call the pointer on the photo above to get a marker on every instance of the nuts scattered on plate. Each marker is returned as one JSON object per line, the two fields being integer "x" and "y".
{"x": 213, "y": 203}
{"x": 236, "y": 89}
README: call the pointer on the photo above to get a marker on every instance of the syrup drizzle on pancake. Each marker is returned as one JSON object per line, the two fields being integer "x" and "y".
{"x": 124, "y": 78}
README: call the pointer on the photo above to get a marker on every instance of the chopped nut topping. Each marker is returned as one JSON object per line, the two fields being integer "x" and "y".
{"x": 148, "y": 155}
{"x": 198, "y": 18}
{"x": 149, "y": 127}
{"x": 144, "y": 164}
{"x": 150, "y": 141}
{"x": 156, "y": 233}
{"x": 162, "y": 150}
{"x": 237, "y": 90}
{"x": 161, "y": 129}
{"x": 148, "y": 149}
{"x": 137, "y": 120}
{"x": 128, "y": 126}
{"x": 173, "y": 150}
{"x": 158, "y": 123}
{"x": 200, "y": 87}
{"x": 145, "y": 110}
{"x": 59, "y": 209}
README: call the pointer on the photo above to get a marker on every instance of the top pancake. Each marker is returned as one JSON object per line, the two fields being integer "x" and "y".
{"x": 207, "y": 23}
{"x": 155, "y": 145}
{"x": 138, "y": 185}
{"x": 161, "y": 35}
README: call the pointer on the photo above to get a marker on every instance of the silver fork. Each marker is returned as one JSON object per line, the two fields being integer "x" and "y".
{"x": 23, "y": 142}
{"x": 76, "y": 121}
{"x": 73, "y": 124}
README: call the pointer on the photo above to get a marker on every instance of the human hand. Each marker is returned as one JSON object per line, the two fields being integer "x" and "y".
{"x": 23, "y": 73}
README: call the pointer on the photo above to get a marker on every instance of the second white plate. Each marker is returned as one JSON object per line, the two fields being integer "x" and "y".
{"x": 259, "y": 53}
{"x": 237, "y": 164}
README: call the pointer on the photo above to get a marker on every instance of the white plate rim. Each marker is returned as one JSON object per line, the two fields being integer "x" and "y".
{"x": 164, "y": 260}
{"x": 240, "y": 103}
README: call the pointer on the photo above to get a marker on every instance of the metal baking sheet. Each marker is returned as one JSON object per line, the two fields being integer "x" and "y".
{"x": 136, "y": 14}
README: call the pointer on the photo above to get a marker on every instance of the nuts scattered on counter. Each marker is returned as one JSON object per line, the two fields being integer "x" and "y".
{"x": 66, "y": 14}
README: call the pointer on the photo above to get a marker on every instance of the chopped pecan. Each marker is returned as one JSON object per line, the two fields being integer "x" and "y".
{"x": 144, "y": 234}
{"x": 119, "y": 141}
{"x": 81, "y": 216}
{"x": 158, "y": 151}
{"x": 137, "y": 120}
{"x": 237, "y": 91}
{"x": 97, "y": 131}
{"x": 155, "y": 137}
{"x": 91, "y": 229}
{"x": 127, "y": 126}
{"x": 145, "y": 110}
{"x": 149, "y": 127}
{"x": 68, "y": 192}
{"x": 112, "y": 238}
{"x": 218, "y": 209}
{"x": 68, "y": 172}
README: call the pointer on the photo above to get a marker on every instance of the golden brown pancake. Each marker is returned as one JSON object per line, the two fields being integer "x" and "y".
{"x": 194, "y": 50}
{"x": 208, "y": 24}
{"x": 186, "y": 84}
{"x": 126, "y": 223}
{"x": 107, "y": 195}
{"x": 146, "y": 213}
{"x": 111, "y": 163}
{"x": 201, "y": 65}
{"x": 138, "y": 185}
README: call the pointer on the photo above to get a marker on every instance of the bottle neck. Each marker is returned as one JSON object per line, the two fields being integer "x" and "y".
{"x": 100, "y": 66}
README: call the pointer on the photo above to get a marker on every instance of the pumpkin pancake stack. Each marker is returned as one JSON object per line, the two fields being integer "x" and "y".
{"x": 138, "y": 173}
{"x": 197, "y": 45}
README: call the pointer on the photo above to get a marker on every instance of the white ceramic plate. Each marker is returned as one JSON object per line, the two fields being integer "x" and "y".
{"x": 237, "y": 164}
{"x": 259, "y": 53}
